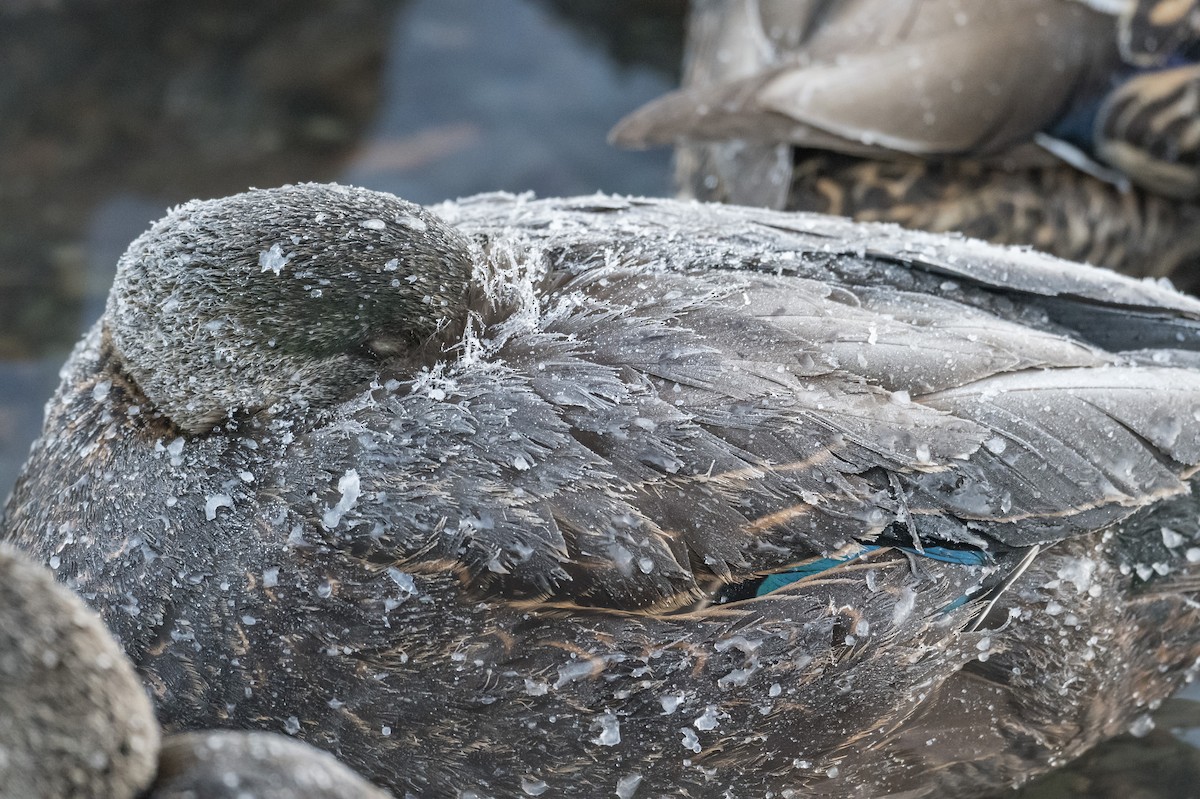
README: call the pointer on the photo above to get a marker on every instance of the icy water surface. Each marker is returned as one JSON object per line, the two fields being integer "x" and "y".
{"x": 108, "y": 116}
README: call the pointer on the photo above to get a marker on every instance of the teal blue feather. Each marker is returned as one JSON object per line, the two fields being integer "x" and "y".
{"x": 962, "y": 557}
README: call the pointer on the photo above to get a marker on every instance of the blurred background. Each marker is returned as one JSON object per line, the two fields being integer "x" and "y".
{"x": 112, "y": 111}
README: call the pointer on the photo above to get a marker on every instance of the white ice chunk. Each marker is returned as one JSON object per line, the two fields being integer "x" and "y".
{"x": 349, "y": 486}
{"x": 707, "y": 720}
{"x": 610, "y": 730}
{"x": 412, "y": 223}
{"x": 216, "y": 501}
{"x": 627, "y": 786}
{"x": 273, "y": 260}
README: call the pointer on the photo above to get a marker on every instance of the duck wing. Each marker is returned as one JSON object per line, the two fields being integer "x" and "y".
{"x": 681, "y": 397}
{"x": 875, "y": 78}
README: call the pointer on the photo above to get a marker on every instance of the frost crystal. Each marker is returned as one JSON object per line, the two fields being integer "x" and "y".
{"x": 1141, "y": 726}
{"x": 349, "y": 486}
{"x": 708, "y": 719}
{"x": 273, "y": 260}
{"x": 533, "y": 786}
{"x": 216, "y": 501}
{"x": 1078, "y": 571}
{"x": 904, "y": 606}
{"x": 412, "y": 222}
{"x": 404, "y": 580}
{"x": 610, "y": 730}
{"x": 576, "y": 670}
{"x": 996, "y": 445}
{"x": 628, "y": 785}
{"x": 175, "y": 451}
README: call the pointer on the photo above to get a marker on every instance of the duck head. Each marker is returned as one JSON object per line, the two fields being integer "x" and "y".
{"x": 280, "y": 298}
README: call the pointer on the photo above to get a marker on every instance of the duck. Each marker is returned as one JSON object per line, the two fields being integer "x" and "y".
{"x": 235, "y": 764}
{"x": 1064, "y": 125}
{"x": 581, "y": 496}
{"x": 79, "y": 724}
{"x": 77, "y": 721}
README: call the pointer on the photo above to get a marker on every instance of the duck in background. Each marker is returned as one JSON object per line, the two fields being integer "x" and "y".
{"x": 593, "y": 496}
{"x": 75, "y": 720}
{"x": 1067, "y": 125}
{"x": 76, "y": 723}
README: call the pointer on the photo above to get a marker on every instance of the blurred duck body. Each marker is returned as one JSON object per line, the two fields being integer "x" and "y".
{"x": 1070, "y": 126}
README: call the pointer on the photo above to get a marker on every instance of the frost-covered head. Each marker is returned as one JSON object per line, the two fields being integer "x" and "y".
{"x": 280, "y": 296}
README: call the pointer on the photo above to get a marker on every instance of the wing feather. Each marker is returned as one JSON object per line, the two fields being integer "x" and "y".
{"x": 695, "y": 401}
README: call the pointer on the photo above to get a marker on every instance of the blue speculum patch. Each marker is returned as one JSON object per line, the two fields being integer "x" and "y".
{"x": 962, "y": 557}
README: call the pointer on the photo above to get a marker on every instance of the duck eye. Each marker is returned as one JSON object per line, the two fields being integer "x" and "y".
{"x": 367, "y": 352}
{"x": 382, "y": 347}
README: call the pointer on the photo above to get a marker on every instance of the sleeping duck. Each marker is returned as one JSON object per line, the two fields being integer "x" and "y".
{"x": 77, "y": 724}
{"x": 1067, "y": 125}
{"x": 606, "y": 496}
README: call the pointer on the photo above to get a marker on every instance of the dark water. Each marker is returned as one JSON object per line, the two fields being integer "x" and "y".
{"x": 110, "y": 114}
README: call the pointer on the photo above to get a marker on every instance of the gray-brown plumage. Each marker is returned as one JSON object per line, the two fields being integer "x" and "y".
{"x": 1151, "y": 31}
{"x": 524, "y": 553}
{"x": 234, "y": 765}
{"x": 75, "y": 721}
{"x": 1070, "y": 126}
